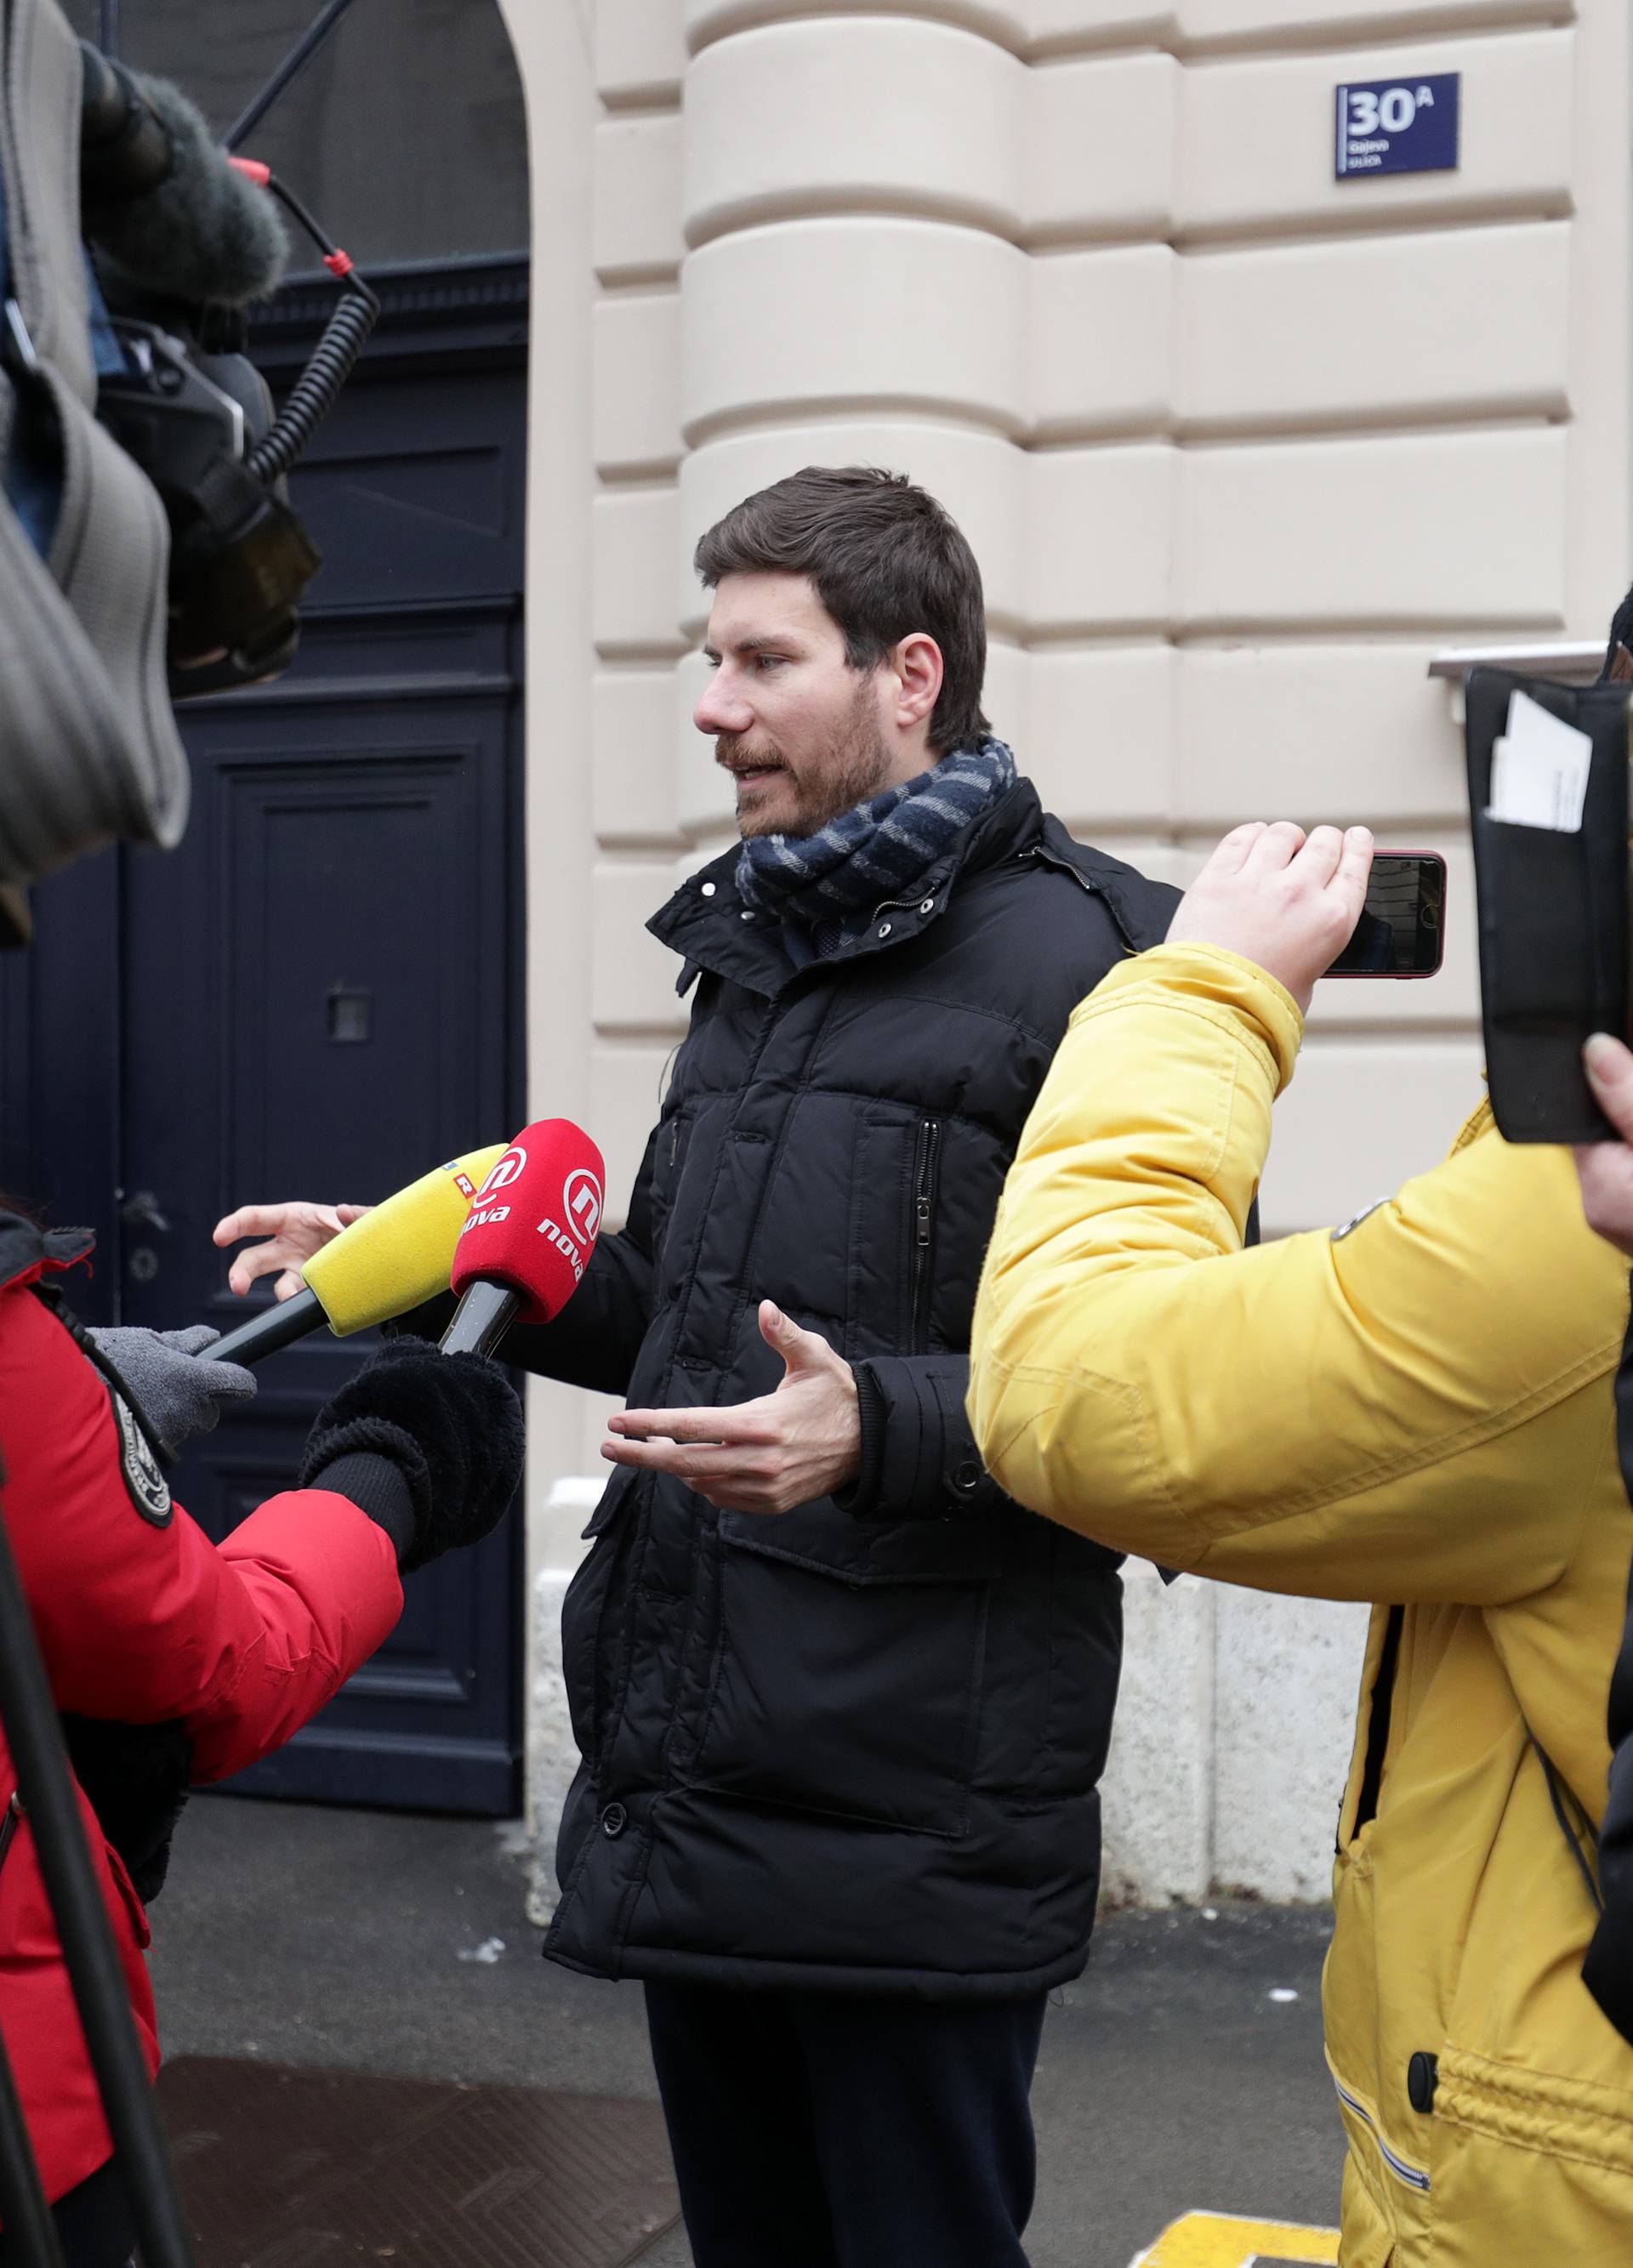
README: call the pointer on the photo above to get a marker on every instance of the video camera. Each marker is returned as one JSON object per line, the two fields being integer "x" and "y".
{"x": 183, "y": 237}
{"x": 149, "y": 552}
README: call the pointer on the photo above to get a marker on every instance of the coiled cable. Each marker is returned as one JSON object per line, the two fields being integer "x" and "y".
{"x": 316, "y": 390}
{"x": 346, "y": 334}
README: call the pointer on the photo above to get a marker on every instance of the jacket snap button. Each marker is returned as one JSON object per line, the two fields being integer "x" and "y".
{"x": 614, "y": 1820}
{"x": 745, "y": 915}
{"x": 928, "y": 907}
{"x": 1422, "y": 2078}
{"x": 708, "y": 889}
{"x": 885, "y": 929}
{"x": 968, "y": 1477}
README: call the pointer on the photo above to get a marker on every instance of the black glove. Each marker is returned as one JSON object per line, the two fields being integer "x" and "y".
{"x": 137, "y": 1778}
{"x": 449, "y": 1424}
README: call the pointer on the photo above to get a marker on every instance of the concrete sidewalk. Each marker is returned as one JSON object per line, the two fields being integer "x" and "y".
{"x": 1175, "y": 2075}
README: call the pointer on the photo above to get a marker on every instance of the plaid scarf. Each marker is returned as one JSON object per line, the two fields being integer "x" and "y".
{"x": 831, "y": 882}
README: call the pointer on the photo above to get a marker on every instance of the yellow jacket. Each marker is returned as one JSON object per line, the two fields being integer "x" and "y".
{"x": 1417, "y": 1411}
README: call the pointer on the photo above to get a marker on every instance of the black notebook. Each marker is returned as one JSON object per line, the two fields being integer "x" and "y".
{"x": 1548, "y": 786}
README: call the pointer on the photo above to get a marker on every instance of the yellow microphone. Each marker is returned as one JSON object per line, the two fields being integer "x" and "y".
{"x": 399, "y": 1253}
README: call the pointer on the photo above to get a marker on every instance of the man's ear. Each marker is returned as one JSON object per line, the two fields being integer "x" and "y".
{"x": 916, "y": 665}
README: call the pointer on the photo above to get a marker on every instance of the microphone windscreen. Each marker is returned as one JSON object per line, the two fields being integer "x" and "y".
{"x": 206, "y": 232}
{"x": 400, "y": 1253}
{"x": 534, "y": 1222}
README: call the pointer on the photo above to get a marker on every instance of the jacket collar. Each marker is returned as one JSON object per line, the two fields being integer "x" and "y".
{"x": 28, "y": 1252}
{"x": 1141, "y": 909}
{"x": 707, "y": 923}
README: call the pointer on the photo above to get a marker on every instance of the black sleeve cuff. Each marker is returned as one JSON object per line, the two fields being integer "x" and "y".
{"x": 860, "y": 1497}
{"x": 919, "y": 1458}
{"x": 376, "y": 1485}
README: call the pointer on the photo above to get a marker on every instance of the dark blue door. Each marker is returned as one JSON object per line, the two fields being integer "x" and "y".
{"x": 319, "y": 993}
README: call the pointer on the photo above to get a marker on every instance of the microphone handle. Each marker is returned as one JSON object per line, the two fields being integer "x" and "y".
{"x": 271, "y": 1327}
{"x": 481, "y": 1318}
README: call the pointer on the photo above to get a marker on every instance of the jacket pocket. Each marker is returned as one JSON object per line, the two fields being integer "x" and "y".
{"x": 850, "y": 1668}
{"x": 585, "y": 1669}
{"x": 889, "y": 1263}
{"x": 1543, "y": 972}
{"x": 1078, "y": 1666}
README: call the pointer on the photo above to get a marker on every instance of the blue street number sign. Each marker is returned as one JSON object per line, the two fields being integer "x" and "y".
{"x": 1398, "y": 126}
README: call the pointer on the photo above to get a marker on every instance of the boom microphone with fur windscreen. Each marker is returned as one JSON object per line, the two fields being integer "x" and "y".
{"x": 396, "y": 1256}
{"x": 529, "y": 1234}
{"x": 172, "y": 216}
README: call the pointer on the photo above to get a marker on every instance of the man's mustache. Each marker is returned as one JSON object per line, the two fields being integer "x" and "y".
{"x": 737, "y": 754}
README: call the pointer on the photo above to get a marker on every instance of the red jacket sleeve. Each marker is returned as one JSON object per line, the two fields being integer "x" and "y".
{"x": 244, "y": 1641}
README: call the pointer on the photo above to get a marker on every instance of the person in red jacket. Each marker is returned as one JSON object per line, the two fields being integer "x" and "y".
{"x": 220, "y": 1651}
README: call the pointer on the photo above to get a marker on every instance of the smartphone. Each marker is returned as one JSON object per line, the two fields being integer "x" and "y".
{"x": 1401, "y": 932}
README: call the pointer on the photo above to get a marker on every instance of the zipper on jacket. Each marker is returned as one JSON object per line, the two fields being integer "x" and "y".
{"x": 9, "y": 1823}
{"x": 895, "y": 906}
{"x": 925, "y": 1165}
{"x": 1402, "y": 2168}
{"x": 1377, "y": 1721}
{"x": 1048, "y": 857}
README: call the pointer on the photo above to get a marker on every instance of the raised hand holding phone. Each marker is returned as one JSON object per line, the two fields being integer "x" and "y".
{"x": 1285, "y": 900}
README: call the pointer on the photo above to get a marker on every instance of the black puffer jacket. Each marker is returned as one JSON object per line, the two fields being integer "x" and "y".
{"x": 856, "y": 1746}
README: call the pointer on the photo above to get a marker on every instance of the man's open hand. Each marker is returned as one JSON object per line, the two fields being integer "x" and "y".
{"x": 1288, "y": 901}
{"x": 294, "y": 1230}
{"x": 788, "y": 1447}
{"x": 1605, "y": 1169}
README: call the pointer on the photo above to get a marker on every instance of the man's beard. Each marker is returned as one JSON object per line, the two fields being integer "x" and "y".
{"x": 855, "y": 765}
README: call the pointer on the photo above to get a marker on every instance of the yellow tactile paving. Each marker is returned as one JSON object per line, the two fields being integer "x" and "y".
{"x": 1214, "y": 2240}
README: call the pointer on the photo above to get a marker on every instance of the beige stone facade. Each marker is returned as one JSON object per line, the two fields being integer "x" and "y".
{"x": 1241, "y": 448}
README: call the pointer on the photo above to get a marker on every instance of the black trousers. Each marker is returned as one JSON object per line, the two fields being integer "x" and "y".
{"x": 815, "y": 2130}
{"x": 93, "y": 2225}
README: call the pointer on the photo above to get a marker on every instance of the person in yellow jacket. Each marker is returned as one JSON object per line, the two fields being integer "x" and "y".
{"x": 1414, "y": 1410}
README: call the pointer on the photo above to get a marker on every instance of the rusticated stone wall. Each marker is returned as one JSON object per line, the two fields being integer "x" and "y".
{"x": 1240, "y": 448}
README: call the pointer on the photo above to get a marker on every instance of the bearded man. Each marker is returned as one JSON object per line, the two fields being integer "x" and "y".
{"x": 842, "y": 1704}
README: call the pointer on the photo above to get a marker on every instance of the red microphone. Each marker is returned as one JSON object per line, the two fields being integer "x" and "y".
{"x": 531, "y": 1230}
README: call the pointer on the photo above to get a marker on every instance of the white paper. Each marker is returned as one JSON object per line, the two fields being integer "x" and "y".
{"x": 1540, "y": 770}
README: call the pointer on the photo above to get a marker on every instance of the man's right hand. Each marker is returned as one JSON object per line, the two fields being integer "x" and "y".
{"x": 294, "y": 1230}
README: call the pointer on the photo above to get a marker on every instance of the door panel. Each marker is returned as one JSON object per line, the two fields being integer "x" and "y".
{"x": 318, "y": 1001}
{"x": 408, "y": 505}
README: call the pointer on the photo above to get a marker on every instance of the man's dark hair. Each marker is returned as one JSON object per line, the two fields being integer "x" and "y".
{"x": 885, "y": 560}
{"x": 1620, "y": 638}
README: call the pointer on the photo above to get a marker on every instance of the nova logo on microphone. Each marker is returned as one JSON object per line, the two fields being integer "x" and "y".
{"x": 582, "y": 1201}
{"x": 510, "y": 1167}
{"x": 523, "y": 1257}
